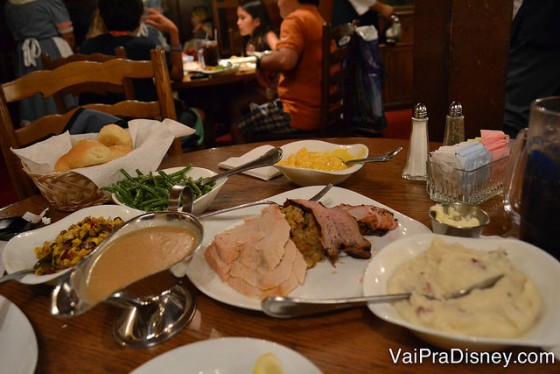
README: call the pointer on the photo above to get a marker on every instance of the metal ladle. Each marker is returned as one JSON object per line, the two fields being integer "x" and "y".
{"x": 289, "y": 307}
{"x": 379, "y": 158}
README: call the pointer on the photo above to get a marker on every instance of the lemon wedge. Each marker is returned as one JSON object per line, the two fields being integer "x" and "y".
{"x": 268, "y": 364}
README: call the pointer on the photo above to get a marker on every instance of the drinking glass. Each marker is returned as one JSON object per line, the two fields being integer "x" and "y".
{"x": 208, "y": 54}
{"x": 539, "y": 207}
{"x": 514, "y": 176}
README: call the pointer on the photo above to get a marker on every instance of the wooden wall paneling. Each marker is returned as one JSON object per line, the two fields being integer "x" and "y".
{"x": 325, "y": 8}
{"x": 460, "y": 53}
{"x": 398, "y": 62}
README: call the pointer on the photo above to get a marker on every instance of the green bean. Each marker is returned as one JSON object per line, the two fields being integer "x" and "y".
{"x": 150, "y": 191}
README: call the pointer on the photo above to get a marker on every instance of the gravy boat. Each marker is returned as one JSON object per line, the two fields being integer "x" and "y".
{"x": 153, "y": 309}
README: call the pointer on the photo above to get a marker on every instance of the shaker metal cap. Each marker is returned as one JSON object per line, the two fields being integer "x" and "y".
{"x": 455, "y": 109}
{"x": 420, "y": 111}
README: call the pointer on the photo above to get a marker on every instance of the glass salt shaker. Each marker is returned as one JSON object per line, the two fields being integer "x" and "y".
{"x": 454, "y": 125}
{"x": 415, "y": 169}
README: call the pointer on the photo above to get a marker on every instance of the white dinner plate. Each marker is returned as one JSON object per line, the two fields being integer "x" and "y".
{"x": 322, "y": 281}
{"x": 18, "y": 344}
{"x": 225, "y": 356}
{"x": 19, "y": 253}
{"x": 542, "y": 268}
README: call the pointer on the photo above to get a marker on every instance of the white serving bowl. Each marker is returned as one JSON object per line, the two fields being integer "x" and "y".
{"x": 311, "y": 177}
{"x": 541, "y": 267}
{"x": 203, "y": 202}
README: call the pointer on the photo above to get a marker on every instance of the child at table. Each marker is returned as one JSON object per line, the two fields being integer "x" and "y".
{"x": 202, "y": 28}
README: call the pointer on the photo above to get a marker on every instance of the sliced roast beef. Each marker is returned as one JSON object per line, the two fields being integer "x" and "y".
{"x": 339, "y": 230}
{"x": 372, "y": 220}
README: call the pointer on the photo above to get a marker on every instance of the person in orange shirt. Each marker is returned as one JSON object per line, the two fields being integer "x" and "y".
{"x": 297, "y": 57}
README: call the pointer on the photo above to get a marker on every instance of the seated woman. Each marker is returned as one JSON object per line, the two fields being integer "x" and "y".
{"x": 255, "y": 26}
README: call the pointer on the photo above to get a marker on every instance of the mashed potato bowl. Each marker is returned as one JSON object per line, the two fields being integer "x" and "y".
{"x": 203, "y": 202}
{"x": 541, "y": 267}
{"x": 311, "y": 177}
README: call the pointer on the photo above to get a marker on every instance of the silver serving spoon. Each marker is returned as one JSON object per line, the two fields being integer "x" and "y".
{"x": 288, "y": 307}
{"x": 269, "y": 158}
{"x": 316, "y": 197}
{"x": 379, "y": 158}
{"x": 179, "y": 200}
{"x": 17, "y": 275}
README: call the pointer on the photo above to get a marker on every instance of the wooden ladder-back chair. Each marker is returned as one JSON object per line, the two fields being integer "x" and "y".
{"x": 336, "y": 83}
{"x": 51, "y": 82}
{"x": 99, "y": 88}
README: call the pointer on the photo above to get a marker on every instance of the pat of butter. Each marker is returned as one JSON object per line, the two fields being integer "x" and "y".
{"x": 453, "y": 218}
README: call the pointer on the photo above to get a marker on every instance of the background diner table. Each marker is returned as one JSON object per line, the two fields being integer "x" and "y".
{"x": 212, "y": 93}
{"x": 245, "y": 73}
{"x": 351, "y": 341}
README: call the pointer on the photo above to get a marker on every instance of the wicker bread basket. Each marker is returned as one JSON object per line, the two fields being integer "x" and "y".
{"x": 68, "y": 191}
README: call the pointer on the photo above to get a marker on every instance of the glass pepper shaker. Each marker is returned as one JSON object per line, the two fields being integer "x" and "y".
{"x": 415, "y": 168}
{"x": 454, "y": 125}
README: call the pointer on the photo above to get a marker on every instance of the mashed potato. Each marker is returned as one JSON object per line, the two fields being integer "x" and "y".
{"x": 327, "y": 160}
{"x": 505, "y": 310}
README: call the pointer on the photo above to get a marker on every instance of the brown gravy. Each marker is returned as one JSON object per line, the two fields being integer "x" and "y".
{"x": 135, "y": 256}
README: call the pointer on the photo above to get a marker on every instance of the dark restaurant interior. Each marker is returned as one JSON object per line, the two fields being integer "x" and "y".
{"x": 181, "y": 195}
{"x": 437, "y": 59}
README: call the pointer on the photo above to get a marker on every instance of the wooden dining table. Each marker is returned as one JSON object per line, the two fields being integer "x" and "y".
{"x": 212, "y": 93}
{"x": 190, "y": 79}
{"x": 349, "y": 341}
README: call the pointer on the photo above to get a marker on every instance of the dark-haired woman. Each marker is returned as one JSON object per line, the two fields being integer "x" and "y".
{"x": 255, "y": 26}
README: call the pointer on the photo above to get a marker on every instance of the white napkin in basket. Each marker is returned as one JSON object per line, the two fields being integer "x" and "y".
{"x": 264, "y": 173}
{"x": 151, "y": 140}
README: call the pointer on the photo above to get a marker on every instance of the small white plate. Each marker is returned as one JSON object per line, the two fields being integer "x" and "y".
{"x": 203, "y": 202}
{"x": 322, "y": 281}
{"x": 310, "y": 177}
{"x": 537, "y": 264}
{"x": 18, "y": 344}
{"x": 225, "y": 355}
{"x": 19, "y": 253}
{"x": 225, "y": 71}
{"x": 238, "y": 60}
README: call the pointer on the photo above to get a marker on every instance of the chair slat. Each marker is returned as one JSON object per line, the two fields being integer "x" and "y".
{"x": 115, "y": 71}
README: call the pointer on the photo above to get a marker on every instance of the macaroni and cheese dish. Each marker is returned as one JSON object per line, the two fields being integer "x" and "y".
{"x": 505, "y": 310}
{"x": 327, "y": 160}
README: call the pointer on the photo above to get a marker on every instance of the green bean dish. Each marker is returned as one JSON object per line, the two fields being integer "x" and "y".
{"x": 150, "y": 192}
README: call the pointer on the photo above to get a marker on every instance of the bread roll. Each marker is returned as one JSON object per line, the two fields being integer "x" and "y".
{"x": 114, "y": 135}
{"x": 119, "y": 151}
{"x": 84, "y": 153}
